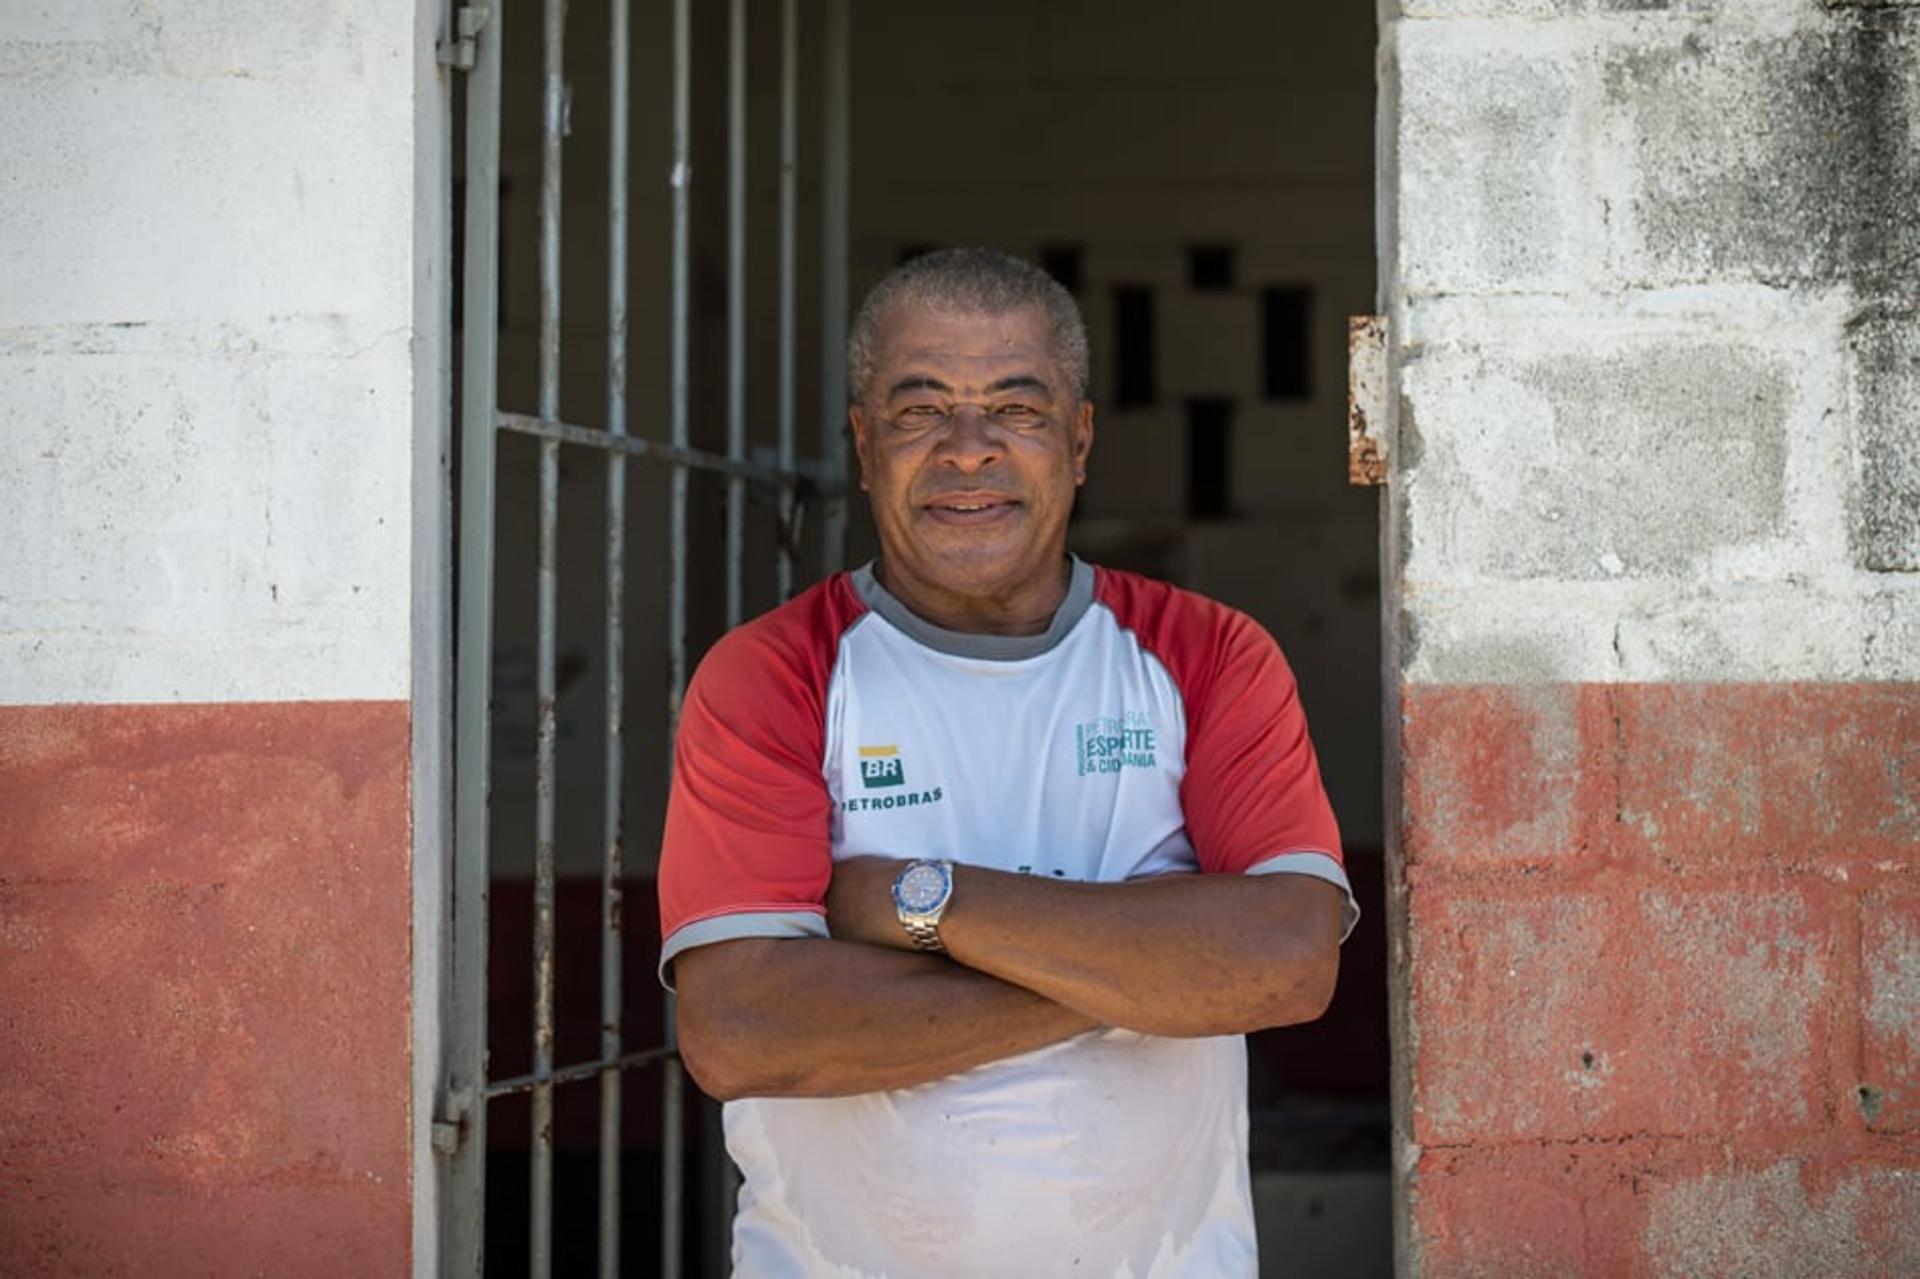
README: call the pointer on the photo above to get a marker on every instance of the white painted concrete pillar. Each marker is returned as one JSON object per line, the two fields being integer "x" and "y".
{"x": 222, "y": 383}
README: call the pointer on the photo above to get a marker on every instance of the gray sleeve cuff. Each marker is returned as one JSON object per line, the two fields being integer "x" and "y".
{"x": 746, "y": 923}
{"x": 1320, "y": 866}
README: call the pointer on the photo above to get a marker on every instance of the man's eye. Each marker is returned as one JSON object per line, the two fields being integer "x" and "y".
{"x": 920, "y": 415}
{"x": 1017, "y": 413}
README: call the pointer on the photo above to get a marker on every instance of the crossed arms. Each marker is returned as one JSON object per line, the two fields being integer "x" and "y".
{"x": 1030, "y": 962}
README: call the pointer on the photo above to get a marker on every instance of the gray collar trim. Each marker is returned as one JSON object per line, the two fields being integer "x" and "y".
{"x": 993, "y": 648}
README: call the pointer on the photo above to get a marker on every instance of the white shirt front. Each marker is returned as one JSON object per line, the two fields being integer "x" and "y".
{"x": 1066, "y": 755}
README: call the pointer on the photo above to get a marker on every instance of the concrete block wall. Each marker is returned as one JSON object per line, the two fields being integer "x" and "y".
{"x": 1655, "y": 634}
{"x": 221, "y": 384}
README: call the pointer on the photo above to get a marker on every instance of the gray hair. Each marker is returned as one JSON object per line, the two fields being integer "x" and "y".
{"x": 970, "y": 281}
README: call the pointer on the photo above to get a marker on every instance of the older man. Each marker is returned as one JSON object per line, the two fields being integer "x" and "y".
{"x": 980, "y": 860}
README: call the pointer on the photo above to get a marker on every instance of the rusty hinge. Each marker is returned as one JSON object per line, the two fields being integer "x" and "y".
{"x": 458, "y": 52}
{"x": 450, "y": 1120}
{"x": 1366, "y": 399}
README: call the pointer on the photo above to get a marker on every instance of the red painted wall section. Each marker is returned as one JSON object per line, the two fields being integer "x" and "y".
{"x": 1664, "y": 946}
{"x": 204, "y": 990}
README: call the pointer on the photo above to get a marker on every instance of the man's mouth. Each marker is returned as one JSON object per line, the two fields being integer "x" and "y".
{"x": 970, "y": 508}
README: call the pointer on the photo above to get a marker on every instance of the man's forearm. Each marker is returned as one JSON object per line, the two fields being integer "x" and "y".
{"x": 823, "y": 1018}
{"x": 1176, "y": 955}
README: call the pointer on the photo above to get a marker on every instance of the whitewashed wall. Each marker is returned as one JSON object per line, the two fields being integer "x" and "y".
{"x": 211, "y": 348}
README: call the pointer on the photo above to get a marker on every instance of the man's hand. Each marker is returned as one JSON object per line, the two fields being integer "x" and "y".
{"x": 860, "y": 902}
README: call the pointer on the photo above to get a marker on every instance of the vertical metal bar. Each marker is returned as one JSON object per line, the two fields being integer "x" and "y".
{"x": 719, "y": 1176}
{"x": 736, "y": 302}
{"x": 465, "y": 1103}
{"x": 552, "y": 120}
{"x": 612, "y": 884}
{"x": 836, "y": 104}
{"x": 540, "y": 1210}
{"x": 672, "y": 1085}
{"x": 789, "y": 202}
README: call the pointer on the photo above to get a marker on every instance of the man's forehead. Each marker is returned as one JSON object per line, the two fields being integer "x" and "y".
{"x": 975, "y": 346}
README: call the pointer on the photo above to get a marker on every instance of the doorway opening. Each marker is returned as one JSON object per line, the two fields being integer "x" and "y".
{"x": 1205, "y": 190}
{"x": 1203, "y": 182}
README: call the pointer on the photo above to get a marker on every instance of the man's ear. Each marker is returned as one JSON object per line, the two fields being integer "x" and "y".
{"x": 1082, "y": 440}
{"x": 858, "y": 421}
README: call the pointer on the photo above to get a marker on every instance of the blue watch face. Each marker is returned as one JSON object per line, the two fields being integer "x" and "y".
{"x": 921, "y": 888}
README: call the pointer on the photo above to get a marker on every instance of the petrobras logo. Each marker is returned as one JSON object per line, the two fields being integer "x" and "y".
{"x": 1115, "y": 742}
{"x": 880, "y": 767}
{"x": 881, "y": 770}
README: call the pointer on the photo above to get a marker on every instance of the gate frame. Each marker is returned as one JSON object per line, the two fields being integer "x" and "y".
{"x": 430, "y": 625}
{"x": 451, "y": 932}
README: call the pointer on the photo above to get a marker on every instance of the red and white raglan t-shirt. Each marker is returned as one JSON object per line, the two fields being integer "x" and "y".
{"x": 1148, "y": 730}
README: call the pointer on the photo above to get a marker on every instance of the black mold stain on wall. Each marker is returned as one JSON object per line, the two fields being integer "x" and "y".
{"x": 1869, "y": 69}
{"x": 1788, "y": 161}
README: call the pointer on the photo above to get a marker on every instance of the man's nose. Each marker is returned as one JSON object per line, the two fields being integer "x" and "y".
{"x": 972, "y": 440}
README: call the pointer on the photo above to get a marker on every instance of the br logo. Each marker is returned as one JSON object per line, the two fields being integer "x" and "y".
{"x": 880, "y": 766}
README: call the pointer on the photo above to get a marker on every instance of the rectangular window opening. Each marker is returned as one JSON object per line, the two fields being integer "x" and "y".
{"x": 1209, "y": 459}
{"x": 1133, "y": 353}
{"x": 1063, "y": 263}
{"x": 1210, "y": 267}
{"x": 1286, "y": 342}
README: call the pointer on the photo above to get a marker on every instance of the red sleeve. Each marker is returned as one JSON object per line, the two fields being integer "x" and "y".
{"x": 1252, "y": 788}
{"x": 746, "y": 850}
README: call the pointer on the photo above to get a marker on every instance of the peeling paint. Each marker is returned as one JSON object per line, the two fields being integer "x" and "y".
{"x": 1367, "y": 387}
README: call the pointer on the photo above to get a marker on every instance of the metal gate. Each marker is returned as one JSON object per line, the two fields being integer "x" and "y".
{"x": 459, "y": 1128}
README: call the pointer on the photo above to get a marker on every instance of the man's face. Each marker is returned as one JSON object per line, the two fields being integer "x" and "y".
{"x": 972, "y": 441}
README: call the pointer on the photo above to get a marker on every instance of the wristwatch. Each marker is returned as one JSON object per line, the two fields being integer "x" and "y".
{"x": 920, "y": 896}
